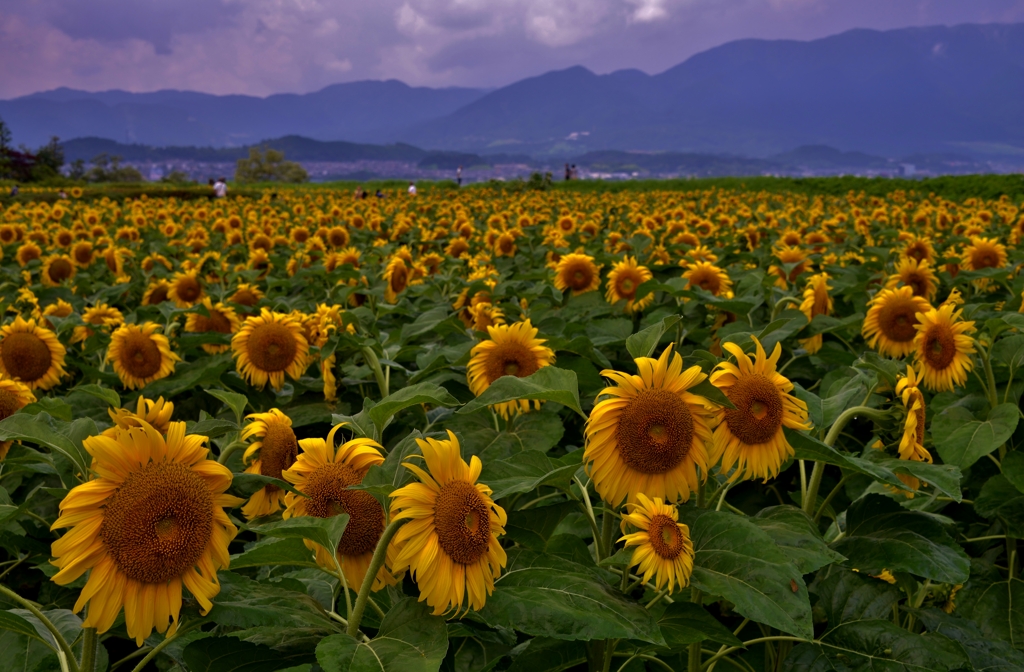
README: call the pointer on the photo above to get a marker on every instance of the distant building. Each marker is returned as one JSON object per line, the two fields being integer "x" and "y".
{"x": 907, "y": 169}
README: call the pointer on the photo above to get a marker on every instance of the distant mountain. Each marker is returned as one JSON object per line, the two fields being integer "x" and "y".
{"x": 356, "y": 112}
{"x": 938, "y": 90}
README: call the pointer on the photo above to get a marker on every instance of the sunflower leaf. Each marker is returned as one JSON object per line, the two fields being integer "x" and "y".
{"x": 274, "y": 551}
{"x": 230, "y": 654}
{"x": 112, "y": 398}
{"x": 244, "y": 485}
{"x": 528, "y": 471}
{"x": 43, "y": 430}
{"x": 644, "y": 342}
{"x": 414, "y": 395}
{"x": 797, "y": 536}
{"x": 547, "y": 384}
{"x": 236, "y": 402}
{"x": 325, "y": 531}
{"x": 961, "y": 439}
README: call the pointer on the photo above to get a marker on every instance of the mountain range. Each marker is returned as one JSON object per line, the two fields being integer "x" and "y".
{"x": 889, "y": 93}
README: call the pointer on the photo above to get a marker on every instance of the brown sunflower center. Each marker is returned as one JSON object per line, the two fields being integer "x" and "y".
{"x": 626, "y": 285}
{"x": 706, "y": 280}
{"x": 939, "y": 348}
{"x": 10, "y": 403}
{"x": 158, "y": 295}
{"x": 579, "y": 276}
{"x": 510, "y": 359}
{"x": 157, "y": 524}
{"x": 188, "y": 289}
{"x": 140, "y": 355}
{"x": 655, "y": 432}
{"x": 25, "y": 356}
{"x": 60, "y": 269}
{"x": 758, "y": 413}
{"x": 462, "y": 521}
{"x": 215, "y": 322}
{"x": 245, "y": 298}
{"x": 666, "y": 539}
{"x": 278, "y": 451}
{"x": 918, "y": 283}
{"x": 399, "y": 278}
{"x": 328, "y": 493}
{"x": 272, "y": 347}
{"x": 897, "y": 320}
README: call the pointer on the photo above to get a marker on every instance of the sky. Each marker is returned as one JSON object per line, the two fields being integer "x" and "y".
{"x": 260, "y": 47}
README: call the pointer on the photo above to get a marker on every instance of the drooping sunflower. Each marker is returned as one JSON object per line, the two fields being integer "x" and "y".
{"x": 323, "y": 475}
{"x": 14, "y": 396}
{"x": 223, "y": 319}
{"x": 577, "y": 273}
{"x": 186, "y": 289}
{"x": 56, "y": 269}
{"x": 450, "y": 543}
{"x": 750, "y": 436}
{"x": 918, "y": 275}
{"x": 891, "y": 323}
{"x": 943, "y": 347}
{"x": 246, "y": 295}
{"x": 268, "y": 346}
{"x": 664, "y": 550}
{"x": 624, "y": 279}
{"x": 31, "y": 354}
{"x": 154, "y": 413}
{"x": 648, "y": 433}
{"x": 912, "y": 441}
{"x": 817, "y": 301}
{"x": 511, "y": 350}
{"x": 273, "y": 451}
{"x": 140, "y": 354}
{"x": 150, "y": 522}
{"x": 396, "y": 275}
{"x": 156, "y": 293}
{"x": 707, "y": 276}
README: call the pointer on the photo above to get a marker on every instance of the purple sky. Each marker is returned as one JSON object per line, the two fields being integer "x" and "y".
{"x": 261, "y": 47}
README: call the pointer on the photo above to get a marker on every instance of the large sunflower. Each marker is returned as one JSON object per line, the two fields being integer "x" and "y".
{"x": 664, "y": 550}
{"x": 273, "y": 451}
{"x": 323, "y": 476}
{"x": 891, "y": 323}
{"x": 750, "y": 436}
{"x": 56, "y": 269}
{"x": 14, "y": 396}
{"x": 140, "y": 354}
{"x": 577, "y": 273}
{"x": 816, "y": 302}
{"x": 648, "y": 433}
{"x": 943, "y": 348}
{"x": 708, "y": 277}
{"x": 150, "y": 522}
{"x": 268, "y": 346}
{"x": 512, "y": 350}
{"x": 450, "y": 543}
{"x": 983, "y": 253}
{"x": 918, "y": 275}
{"x": 31, "y": 354}
{"x": 623, "y": 280}
{"x": 223, "y": 320}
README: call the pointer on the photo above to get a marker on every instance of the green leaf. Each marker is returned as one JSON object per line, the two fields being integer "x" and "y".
{"x": 943, "y": 477}
{"x": 1010, "y": 351}
{"x": 963, "y": 440}
{"x": 383, "y": 479}
{"x": 547, "y": 384}
{"x": 643, "y": 343}
{"x": 211, "y": 427}
{"x": 549, "y": 596}
{"x": 112, "y": 398}
{"x": 235, "y": 401}
{"x": 1013, "y": 469}
{"x": 15, "y": 623}
{"x": 244, "y": 485}
{"x": 985, "y": 653}
{"x": 881, "y": 534}
{"x": 548, "y": 654}
{"x": 997, "y": 608}
{"x": 360, "y": 423}
{"x": 22, "y": 653}
{"x": 806, "y": 447}
{"x": 58, "y": 408}
{"x": 705, "y": 389}
{"x": 410, "y": 639}
{"x": 798, "y": 537}
{"x": 230, "y": 654}
{"x": 847, "y": 596}
{"x": 325, "y": 531}
{"x": 476, "y": 648}
{"x": 814, "y": 403}
{"x": 244, "y": 603}
{"x": 42, "y": 430}
{"x": 685, "y": 623}
{"x": 737, "y": 560}
{"x": 533, "y": 527}
{"x": 525, "y": 432}
{"x": 1000, "y": 499}
{"x": 876, "y": 646}
{"x": 198, "y": 374}
{"x": 528, "y": 471}
{"x": 414, "y": 395}
{"x": 274, "y": 551}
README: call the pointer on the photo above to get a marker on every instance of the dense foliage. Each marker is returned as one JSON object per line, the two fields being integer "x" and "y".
{"x": 493, "y": 429}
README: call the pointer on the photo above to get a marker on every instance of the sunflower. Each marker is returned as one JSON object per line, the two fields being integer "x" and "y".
{"x": 268, "y": 346}
{"x": 624, "y": 279}
{"x": 578, "y": 273}
{"x": 664, "y": 550}
{"x": 891, "y": 322}
{"x": 512, "y": 350}
{"x": 648, "y": 433}
{"x": 396, "y": 275}
{"x": 31, "y": 354}
{"x": 274, "y": 450}
{"x": 140, "y": 354}
{"x": 708, "y": 277}
{"x": 157, "y": 414}
{"x": 750, "y": 436}
{"x": 323, "y": 476}
{"x": 451, "y": 542}
{"x": 246, "y": 295}
{"x": 156, "y": 293}
{"x": 222, "y": 319}
{"x": 59, "y": 309}
{"x": 788, "y": 256}
{"x": 918, "y": 275}
{"x": 942, "y": 348}
{"x": 28, "y": 252}
{"x": 186, "y": 289}
{"x": 14, "y": 396}
{"x": 56, "y": 269}
{"x": 983, "y": 253}
{"x": 150, "y": 522}
{"x": 919, "y": 249}
{"x": 100, "y": 315}
{"x": 912, "y": 441}
{"x": 816, "y": 302}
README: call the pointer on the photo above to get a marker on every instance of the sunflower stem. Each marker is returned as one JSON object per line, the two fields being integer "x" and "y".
{"x": 811, "y": 498}
{"x": 371, "y": 358}
{"x": 371, "y": 574}
{"x": 65, "y": 650}
{"x": 88, "y": 650}
{"x": 607, "y": 531}
{"x": 167, "y": 640}
{"x": 230, "y": 450}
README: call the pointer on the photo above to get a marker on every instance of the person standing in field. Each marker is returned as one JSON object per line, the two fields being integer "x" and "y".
{"x": 220, "y": 187}
{"x": 458, "y": 176}
{"x": 568, "y": 173}
{"x": 412, "y": 188}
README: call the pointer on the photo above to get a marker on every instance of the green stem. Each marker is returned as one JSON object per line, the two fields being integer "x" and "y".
{"x": 589, "y": 510}
{"x": 695, "y": 656}
{"x": 750, "y": 642}
{"x": 721, "y": 499}
{"x": 607, "y": 531}
{"x": 65, "y": 650}
{"x": 642, "y": 656}
{"x": 811, "y": 498}
{"x": 230, "y": 450}
{"x": 830, "y": 497}
{"x": 88, "y": 650}
{"x": 371, "y": 359}
{"x": 167, "y": 640}
{"x": 371, "y": 574}
{"x": 993, "y": 399}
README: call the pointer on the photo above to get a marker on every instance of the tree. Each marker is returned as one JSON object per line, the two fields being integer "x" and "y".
{"x": 5, "y": 136}
{"x": 269, "y": 166}
{"x": 107, "y": 168}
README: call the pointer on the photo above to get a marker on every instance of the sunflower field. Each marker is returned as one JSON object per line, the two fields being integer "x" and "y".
{"x": 716, "y": 429}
